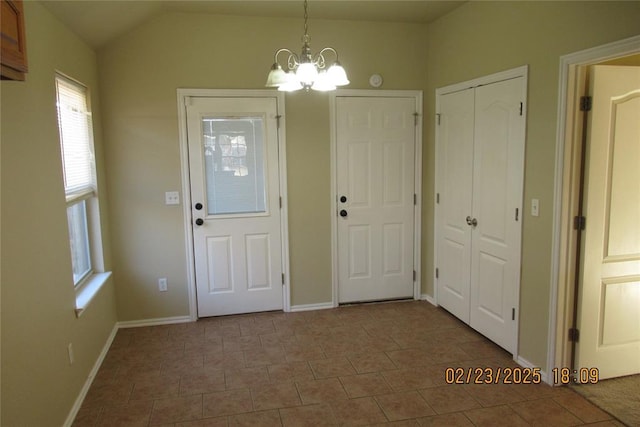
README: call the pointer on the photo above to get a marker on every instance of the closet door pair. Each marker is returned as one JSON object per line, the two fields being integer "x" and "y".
{"x": 480, "y": 165}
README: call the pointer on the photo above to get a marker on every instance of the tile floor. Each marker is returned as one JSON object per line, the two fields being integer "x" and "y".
{"x": 358, "y": 365}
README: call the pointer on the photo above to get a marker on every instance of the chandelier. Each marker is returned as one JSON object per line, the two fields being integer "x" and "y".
{"x": 307, "y": 71}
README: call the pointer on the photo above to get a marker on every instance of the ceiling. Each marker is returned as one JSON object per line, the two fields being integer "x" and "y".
{"x": 100, "y": 21}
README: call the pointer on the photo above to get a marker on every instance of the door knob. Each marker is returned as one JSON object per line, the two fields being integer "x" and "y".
{"x": 198, "y": 206}
{"x": 343, "y": 199}
{"x": 343, "y": 213}
{"x": 199, "y": 221}
{"x": 472, "y": 221}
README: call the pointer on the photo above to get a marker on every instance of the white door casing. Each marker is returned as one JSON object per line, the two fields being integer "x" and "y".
{"x": 375, "y": 175}
{"x": 609, "y": 294}
{"x": 239, "y": 255}
{"x": 479, "y": 184}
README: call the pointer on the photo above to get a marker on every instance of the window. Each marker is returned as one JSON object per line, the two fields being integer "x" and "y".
{"x": 76, "y": 144}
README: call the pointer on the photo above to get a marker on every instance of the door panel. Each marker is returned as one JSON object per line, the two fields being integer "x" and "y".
{"x": 455, "y": 165}
{"x": 375, "y": 175}
{"x": 233, "y": 158}
{"x": 609, "y": 295}
{"x": 498, "y": 176}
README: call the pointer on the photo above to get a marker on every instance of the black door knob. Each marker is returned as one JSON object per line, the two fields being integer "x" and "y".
{"x": 343, "y": 199}
{"x": 343, "y": 213}
{"x": 199, "y": 221}
{"x": 198, "y": 206}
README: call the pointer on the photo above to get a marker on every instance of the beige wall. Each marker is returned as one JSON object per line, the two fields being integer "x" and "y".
{"x": 39, "y": 387}
{"x": 139, "y": 77}
{"x": 481, "y": 38}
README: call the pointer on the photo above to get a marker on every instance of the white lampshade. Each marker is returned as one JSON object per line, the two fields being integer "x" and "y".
{"x": 291, "y": 83}
{"x": 276, "y": 76}
{"x": 307, "y": 73}
{"x": 323, "y": 82}
{"x": 337, "y": 75}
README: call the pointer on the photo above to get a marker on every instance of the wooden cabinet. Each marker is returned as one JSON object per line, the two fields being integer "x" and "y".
{"x": 14, "y": 47}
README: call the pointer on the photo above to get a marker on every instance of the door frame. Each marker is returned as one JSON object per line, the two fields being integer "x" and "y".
{"x": 566, "y": 192}
{"x": 417, "y": 241}
{"x": 183, "y": 95}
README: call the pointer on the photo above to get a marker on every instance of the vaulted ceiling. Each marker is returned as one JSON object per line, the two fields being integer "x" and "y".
{"x": 99, "y": 21}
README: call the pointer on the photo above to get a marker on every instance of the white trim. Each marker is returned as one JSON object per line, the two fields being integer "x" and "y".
{"x": 417, "y": 241}
{"x": 87, "y": 384}
{"x": 310, "y": 307}
{"x": 526, "y": 364}
{"x": 568, "y": 69}
{"x": 154, "y": 322}
{"x": 429, "y": 299}
{"x": 182, "y": 97}
{"x": 88, "y": 290}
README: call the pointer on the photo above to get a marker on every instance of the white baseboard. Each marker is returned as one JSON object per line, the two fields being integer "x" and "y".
{"x": 309, "y": 307}
{"x": 87, "y": 384}
{"x": 429, "y": 299}
{"x": 154, "y": 322}
{"x": 526, "y": 364}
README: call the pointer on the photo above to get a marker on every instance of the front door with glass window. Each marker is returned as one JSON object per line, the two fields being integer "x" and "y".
{"x": 233, "y": 165}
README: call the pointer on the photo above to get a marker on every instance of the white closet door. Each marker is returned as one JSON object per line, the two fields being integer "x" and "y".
{"x": 498, "y": 167}
{"x": 455, "y": 165}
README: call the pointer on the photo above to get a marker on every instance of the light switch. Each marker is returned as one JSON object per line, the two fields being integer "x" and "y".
{"x": 172, "y": 198}
{"x": 535, "y": 207}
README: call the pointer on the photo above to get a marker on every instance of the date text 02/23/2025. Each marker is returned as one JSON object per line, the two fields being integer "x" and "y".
{"x": 518, "y": 375}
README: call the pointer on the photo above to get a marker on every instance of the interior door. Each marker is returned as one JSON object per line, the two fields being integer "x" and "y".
{"x": 609, "y": 295}
{"x": 498, "y": 176}
{"x": 375, "y": 188}
{"x": 455, "y": 167}
{"x": 233, "y": 166}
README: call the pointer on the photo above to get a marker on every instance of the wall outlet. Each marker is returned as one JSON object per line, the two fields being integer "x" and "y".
{"x": 162, "y": 284}
{"x": 70, "y": 352}
{"x": 535, "y": 207}
{"x": 172, "y": 198}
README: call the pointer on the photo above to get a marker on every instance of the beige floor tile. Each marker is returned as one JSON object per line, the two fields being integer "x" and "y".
{"x": 333, "y": 367}
{"x": 257, "y": 419}
{"x": 457, "y": 419}
{"x": 411, "y": 357}
{"x": 496, "y": 416}
{"x": 581, "y": 408}
{"x": 408, "y": 379}
{"x": 292, "y": 372}
{"x": 365, "y": 385}
{"x": 308, "y": 416}
{"x": 493, "y": 394}
{"x": 449, "y": 398}
{"x": 321, "y": 391}
{"x": 130, "y": 415}
{"x": 246, "y": 377}
{"x": 545, "y": 412}
{"x": 405, "y": 405}
{"x": 207, "y": 422}
{"x": 223, "y": 403}
{"x": 221, "y": 360}
{"x": 156, "y": 388}
{"x": 201, "y": 381}
{"x": 357, "y": 412}
{"x": 264, "y": 357}
{"x": 371, "y": 362}
{"x": 275, "y": 396}
{"x": 176, "y": 409}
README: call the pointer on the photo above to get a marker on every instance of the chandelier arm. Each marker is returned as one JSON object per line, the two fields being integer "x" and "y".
{"x": 284, "y": 49}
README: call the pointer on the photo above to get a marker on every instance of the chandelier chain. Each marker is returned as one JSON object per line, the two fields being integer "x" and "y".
{"x": 306, "y": 18}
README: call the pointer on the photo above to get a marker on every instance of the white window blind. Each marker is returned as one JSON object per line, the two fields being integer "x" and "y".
{"x": 76, "y": 139}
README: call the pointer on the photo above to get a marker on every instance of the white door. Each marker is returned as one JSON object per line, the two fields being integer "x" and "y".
{"x": 480, "y": 161}
{"x": 498, "y": 177}
{"x": 375, "y": 189}
{"x": 455, "y": 173}
{"x": 609, "y": 296}
{"x": 233, "y": 166}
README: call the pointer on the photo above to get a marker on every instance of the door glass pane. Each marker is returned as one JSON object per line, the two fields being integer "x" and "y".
{"x": 234, "y": 164}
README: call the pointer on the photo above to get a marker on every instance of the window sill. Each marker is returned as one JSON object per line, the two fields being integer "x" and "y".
{"x": 87, "y": 292}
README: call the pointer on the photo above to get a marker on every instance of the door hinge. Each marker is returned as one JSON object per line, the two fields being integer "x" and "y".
{"x": 280, "y": 200}
{"x": 415, "y": 118}
{"x": 517, "y": 213}
{"x": 521, "y": 108}
{"x": 437, "y": 273}
{"x": 438, "y": 198}
{"x": 414, "y": 275}
{"x": 283, "y": 278}
{"x": 438, "y": 119}
{"x": 415, "y": 199}
{"x": 513, "y": 314}
{"x": 278, "y": 120}
{"x": 586, "y": 103}
{"x": 574, "y": 335}
{"x": 579, "y": 223}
